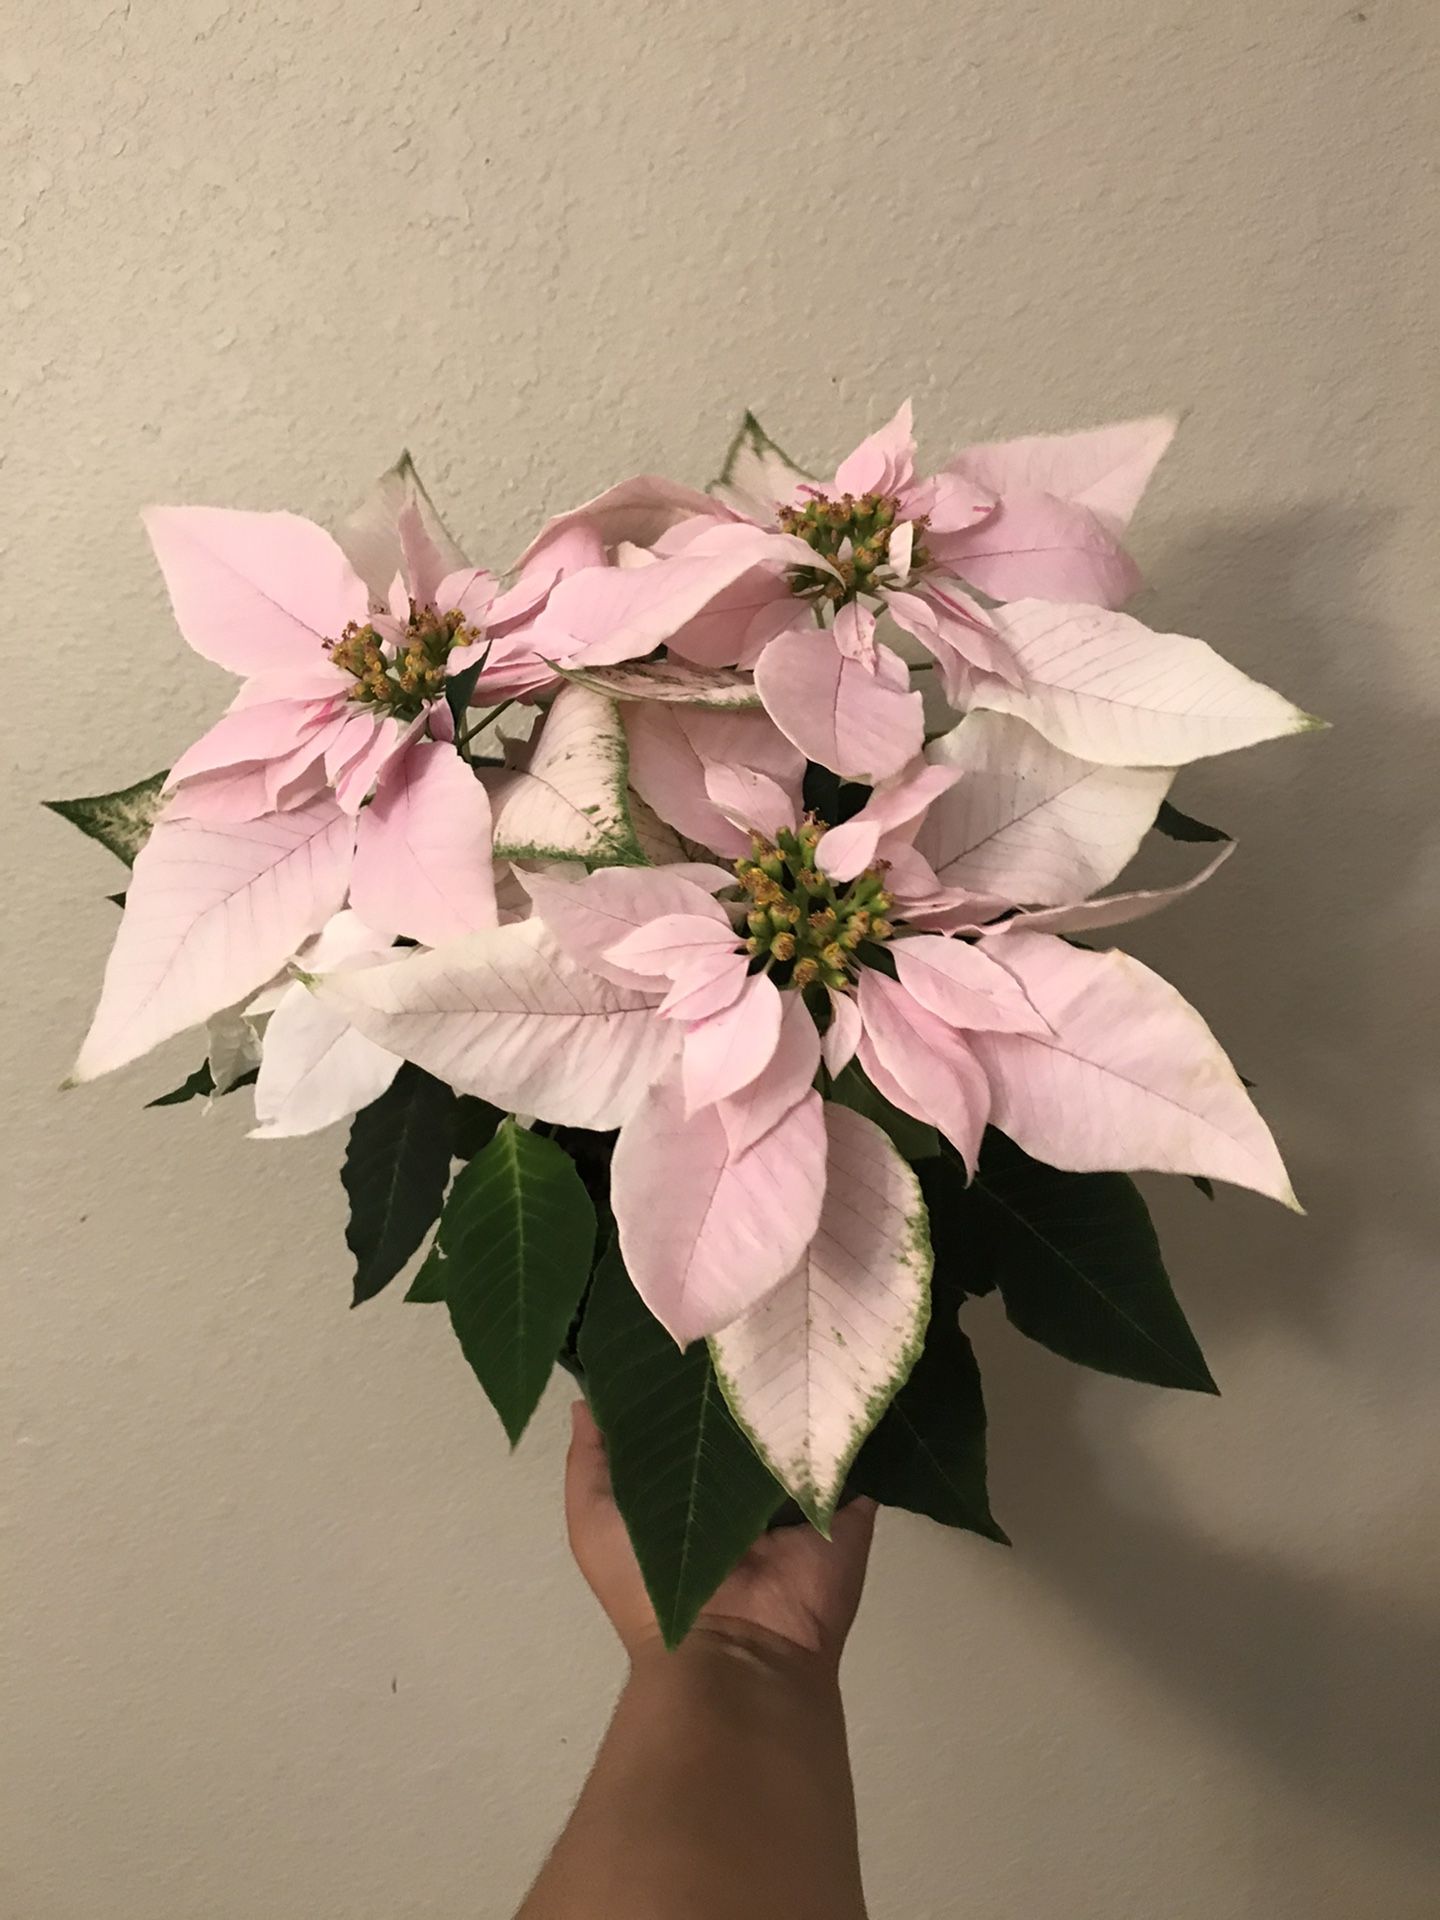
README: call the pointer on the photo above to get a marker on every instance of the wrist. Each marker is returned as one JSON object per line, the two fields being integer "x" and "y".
{"x": 733, "y": 1654}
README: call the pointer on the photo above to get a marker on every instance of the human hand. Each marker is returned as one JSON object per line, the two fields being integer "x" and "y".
{"x": 794, "y": 1593}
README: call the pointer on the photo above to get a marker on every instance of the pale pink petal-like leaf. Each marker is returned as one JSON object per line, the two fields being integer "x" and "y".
{"x": 665, "y": 946}
{"x": 603, "y": 615}
{"x": 933, "y": 1069}
{"x": 895, "y": 804}
{"x": 671, "y": 749}
{"x": 859, "y": 724}
{"x": 853, "y": 632}
{"x": 249, "y": 734}
{"x": 1029, "y": 823}
{"x": 1035, "y": 546}
{"x": 751, "y": 801}
{"x": 751, "y": 1113}
{"x": 728, "y": 1050}
{"x": 224, "y": 798}
{"x": 210, "y": 914}
{"x": 1103, "y": 468}
{"x": 731, "y": 629}
{"x": 706, "y": 1232}
{"x": 811, "y": 1368}
{"x": 590, "y": 916}
{"x": 963, "y": 986}
{"x": 952, "y": 627}
{"x": 389, "y": 738}
{"x": 422, "y": 854}
{"x": 372, "y": 537}
{"x": 1105, "y": 688}
{"x": 709, "y": 984}
{"x": 254, "y": 592}
{"x": 842, "y": 1036}
{"x": 570, "y": 800}
{"x": 637, "y": 510}
{"x": 508, "y": 1016}
{"x": 1129, "y": 1076}
{"x": 315, "y": 1069}
{"x": 884, "y": 463}
{"x": 1115, "y": 909}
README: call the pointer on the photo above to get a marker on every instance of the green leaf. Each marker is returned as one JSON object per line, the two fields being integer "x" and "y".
{"x": 475, "y": 1124}
{"x": 199, "y": 1085}
{"x": 1079, "y": 1268}
{"x": 928, "y": 1453}
{"x": 397, "y": 1166}
{"x": 959, "y": 1262}
{"x": 1207, "y": 1187}
{"x": 459, "y": 688}
{"x": 428, "y": 1286}
{"x": 1176, "y": 825}
{"x": 517, "y": 1238}
{"x": 914, "y": 1140}
{"x": 693, "y": 1493}
{"x": 119, "y": 821}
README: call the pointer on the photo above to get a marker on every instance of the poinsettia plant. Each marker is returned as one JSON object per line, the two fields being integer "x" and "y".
{"x": 704, "y": 931}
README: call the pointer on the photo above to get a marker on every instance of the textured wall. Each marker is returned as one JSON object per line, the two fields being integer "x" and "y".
{"x": 287, "y": 1633}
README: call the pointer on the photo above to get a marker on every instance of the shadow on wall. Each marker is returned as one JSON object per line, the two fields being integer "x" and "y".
{"x": 1327, "y": 1684}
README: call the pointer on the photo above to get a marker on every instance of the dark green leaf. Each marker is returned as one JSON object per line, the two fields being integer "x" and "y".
{"x": 120, "y": 821}
{"x": 693, "y": 1492}
{"x": 1207, "y": 1187}
{"x": 199, "y": 1085}
{"x": 428, "y": 1286}
{"x": 116, "y": 900}
{"x": 928, "y": 1453}
{"x": 912, "y": 1137}
{"x": 459, "y": 688}
{"x": 1079, "y": 1268}
{"x": 1176, "y": 825}
{"x": 517, "y": 1238}
{"x": 959, "y": 1264}
{"x": 397, "y": 1165}
{"x": 475, "y": 1124}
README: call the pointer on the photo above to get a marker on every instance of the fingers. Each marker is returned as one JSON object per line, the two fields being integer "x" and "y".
{"x": 587, "y": 1473}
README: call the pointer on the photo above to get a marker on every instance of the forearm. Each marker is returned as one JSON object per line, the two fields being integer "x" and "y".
{"x": 722, "y": 1791}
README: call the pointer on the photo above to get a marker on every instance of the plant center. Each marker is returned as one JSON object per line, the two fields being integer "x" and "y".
{"x": 807, "y": 928}
{"x": 853, "y": 534}
{"x": 404, "y": 675}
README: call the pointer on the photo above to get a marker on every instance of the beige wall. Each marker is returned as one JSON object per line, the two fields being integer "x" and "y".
{"x": 289, "y": 1637}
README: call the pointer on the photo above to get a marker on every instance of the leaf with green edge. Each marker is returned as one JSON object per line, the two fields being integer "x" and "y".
{"x": 691, "y": 1489}
{"x": 517, "y": 1238}
{"x": 397, "y": 1166}
{"x": 1176, "y": 825}
{"x": 928, "y": 1453}
{"x": 120, "y": 821}
{"x": 914, "y": 1139}
{"x": 571, "y": 800}
{"x": 673, "y": 682}
{"x": 810, "y": 1368}
{"x": 1079, "y": 1268}
{"x": 200, "y": 1085}
{"x": 757, "y": 475}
